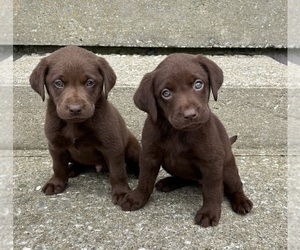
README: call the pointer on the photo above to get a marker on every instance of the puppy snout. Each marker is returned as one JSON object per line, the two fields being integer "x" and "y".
{"x": 190, "y": 114}
{"x": 75, "y": 109}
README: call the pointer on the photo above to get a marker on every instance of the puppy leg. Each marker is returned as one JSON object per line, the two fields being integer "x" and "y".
{"x": 136, "y": 199}
{"x": 212, "y": 191}
{"x": 58, "y": 182}
{"x": 117, "y": 176}
{"x": 171, "y": 183}
{"x": 132, "y": 155}
{"x": 234, "y": 189}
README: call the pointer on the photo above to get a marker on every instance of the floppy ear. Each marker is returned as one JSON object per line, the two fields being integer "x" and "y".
{"x": 214, "y": 72}
{"x": 38, "y": 78}
{"x": 144, "y": 96}
{"x": 108, "y": 75}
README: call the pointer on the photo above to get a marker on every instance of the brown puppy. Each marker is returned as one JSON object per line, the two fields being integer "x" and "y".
{"x": 81, "y": 126}
{"x": 185, "y": 137}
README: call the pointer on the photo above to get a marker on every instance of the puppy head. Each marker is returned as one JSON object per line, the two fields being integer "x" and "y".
{"x": 178, "y": 89}
{"x": 74, "y": 79}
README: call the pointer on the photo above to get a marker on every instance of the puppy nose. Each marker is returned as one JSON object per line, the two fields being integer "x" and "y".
{"x": 75, "y": 109}
{"x": 189, "y": 113}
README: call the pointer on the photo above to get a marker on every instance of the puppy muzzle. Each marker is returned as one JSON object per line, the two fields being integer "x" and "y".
{"x": 75, "y": 112}
{"x": 189, "y": 119}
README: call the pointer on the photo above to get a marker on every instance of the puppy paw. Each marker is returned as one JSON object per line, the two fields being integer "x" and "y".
{"x": 54, "y": 186}
{"x": 241, "y": 204}
{"x": 119, "y": 193}
{"x": 206, "y": 217}
{"x": 133, "y": 201}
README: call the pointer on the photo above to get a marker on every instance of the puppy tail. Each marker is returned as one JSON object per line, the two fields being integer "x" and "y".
{"x": 233, "y": 139}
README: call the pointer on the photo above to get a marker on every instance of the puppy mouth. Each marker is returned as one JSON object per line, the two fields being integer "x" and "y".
{"x": 190, "y": 127}
{"x": 75, "y": 113}
{"x": 191, "y": 119}
{"x": 186, "y": 126}
{"x": 75, "y": 119}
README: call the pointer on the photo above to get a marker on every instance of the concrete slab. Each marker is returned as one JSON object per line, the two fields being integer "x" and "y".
{"x": 239, "y": 70}
{"x": 84, "y": 217}
{"x": 6, "y": 145}
{"x": 255, "y": 115}
{"x": 6, "y": 20}
{"x": 6, "y": 199}
{"x": 206, "y": 23}
{"x": 252, "y": 103}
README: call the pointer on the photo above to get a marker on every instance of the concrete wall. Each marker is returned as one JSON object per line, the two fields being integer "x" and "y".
{"x": 142, "y": 23}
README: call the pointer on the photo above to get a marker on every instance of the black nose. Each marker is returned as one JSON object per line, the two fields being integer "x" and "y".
{"x": 190, "y": 113}
{"x": 75, "y": 109}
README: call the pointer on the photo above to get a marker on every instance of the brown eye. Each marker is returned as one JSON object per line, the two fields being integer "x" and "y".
{"x": 59, "y": 84}
{"x": 166, "y": 93}
{"x": 90, "y": 83}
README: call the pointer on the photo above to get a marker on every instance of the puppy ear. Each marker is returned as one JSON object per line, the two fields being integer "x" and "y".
{"x": 38, "y": 78}
{"x": 215, "y": 74}
{"x": 108, "y": 75}
{"x": 144, "y": 96}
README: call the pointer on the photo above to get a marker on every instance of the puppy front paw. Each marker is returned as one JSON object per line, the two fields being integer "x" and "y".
{"x": 134, "y": 200}
{"x": 54, "y": 186}
{"x": 241, "y": 204}
{"x": 119, "y": 193}
{"x": 207, "y": 217}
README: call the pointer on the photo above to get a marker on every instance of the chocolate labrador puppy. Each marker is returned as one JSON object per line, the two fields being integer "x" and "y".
{"x": 81, "y": 126}
{"x": 186, "y": 138}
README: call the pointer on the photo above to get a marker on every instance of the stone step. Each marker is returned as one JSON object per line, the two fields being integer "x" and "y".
{"x": 252, "y": 102}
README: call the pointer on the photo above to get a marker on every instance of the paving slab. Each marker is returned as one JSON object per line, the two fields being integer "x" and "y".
{"x": 206, "y": 23}
{"x": 6, "y": 144}
{"x": 257, "y": 115}
{"x": 239, "y": 70}
{"x": 252, "y": 102}
{"x": 6, "y": 199}
{"x": 83, "y": 217}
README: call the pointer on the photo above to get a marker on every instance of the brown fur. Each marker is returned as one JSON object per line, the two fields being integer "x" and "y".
{"x": 81, "y": 126}
{"x": 186, "y": 138}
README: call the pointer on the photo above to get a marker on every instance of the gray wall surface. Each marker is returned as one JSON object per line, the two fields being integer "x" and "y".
{"x": 141, "y": 23}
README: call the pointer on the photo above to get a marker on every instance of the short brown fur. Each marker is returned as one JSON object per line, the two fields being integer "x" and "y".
{"x": 186, "y": 138}
{"x": 82, "y": 126}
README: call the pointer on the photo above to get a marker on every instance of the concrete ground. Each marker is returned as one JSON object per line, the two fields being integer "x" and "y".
{"x": 252, "y": 103}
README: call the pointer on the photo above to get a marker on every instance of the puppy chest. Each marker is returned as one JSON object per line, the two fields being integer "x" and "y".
{"x": 184, "y": 164}
{"x": 86, "y": 155}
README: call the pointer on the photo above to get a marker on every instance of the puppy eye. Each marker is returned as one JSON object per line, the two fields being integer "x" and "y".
{"x": 59, "y": 84}
{"x": 198, "y": 85}
{"x": 166, "y": 93}
{"x": 90, "y": 83}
